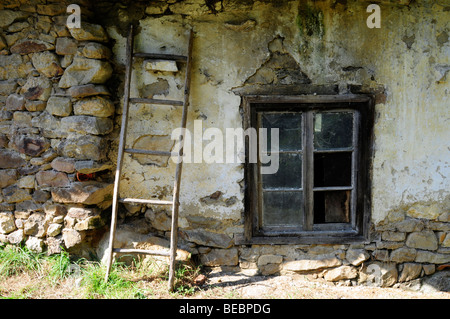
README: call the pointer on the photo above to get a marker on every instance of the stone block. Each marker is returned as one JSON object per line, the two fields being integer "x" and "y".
{"x": 61, "y": 164}
{"x": 13, "y": 194}
{"x": 35, "y": 106}
{"x": 7, "y": 17}
{"x": 22, "y": 119}
{"x": 15, "y": 102}
{"x": 393, "y": 236}
{"x": 47, "y": 63}
{"x": 54, "y": 210}
{"x": 89, "y": 32}
{"x": 8, "y": 86}
{"x": 59, "y": 106}
{"x": 410, "y": 271}
{"x": 422, "y": 240}
{"x": 50, "y": 125}
{"x": 269, "y": 269}
{"x": 92, "y": 222}
{"x": 84, "y": 147}
{"x": 13, "y": 66}
{"x": 52, "y": 179}
{"x": 16, "y": 237}
{"x": 444, "y": 217}
{"x": 220, "y": 257}
{"x": 87, "y": 124}
{"x": 88, "y": 167}
{"x": 93, "y": 50}
{"x": 26, "y": 208}
{"x": 40, "y": 196}
{"x": 157, "y": 8}
{"x": 27, "y": 46}
{"x": 26, "y": 182}
{"x": 425, "y": 212}
{"x": 269, "y": 259}
{"x": 52, "y": 9}
{"x": 158, "y": 219}
{"x": 424, "y": 256}
{"x": 71, "y": 237}
{"x": 34, "y": 244}
{"x": 403, "y": 254}
{"x": 446, "y": 240}
{"x": 82, "y": 212}
{"x": 95, "y": 106}
{"x": 7, "y": 224}
{"x": 311, "y": 264}
{"x": 207, "y": 238}
{"x": 87, "y": 90}
{"x": 356, "y": 256}
{"x": 84, "y": 71}
{"x": 88, "y": 193}
{"x": 54, "y": 229}
{"x": 3, "y": 43}
{"x": 36, "y": 225}
{"x": 7, "y": 177}
{"x": 18, "y": 26}
{"x": 341, "y": 273}
{"x": 31, "y": 145}
{"x": 66, "y": 46}
{"x": 37, "y": 88}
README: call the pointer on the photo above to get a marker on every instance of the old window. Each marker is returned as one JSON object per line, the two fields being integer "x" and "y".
{"x": 320, "y": 192}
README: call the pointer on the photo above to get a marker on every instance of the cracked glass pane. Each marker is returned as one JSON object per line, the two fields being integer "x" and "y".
{"x": 333, "y": 130}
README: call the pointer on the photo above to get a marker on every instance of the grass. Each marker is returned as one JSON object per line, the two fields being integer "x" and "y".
{"x": 25, "y": 274}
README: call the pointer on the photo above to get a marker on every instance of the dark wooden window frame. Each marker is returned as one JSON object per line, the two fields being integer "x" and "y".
{"x": 315, "y": 234}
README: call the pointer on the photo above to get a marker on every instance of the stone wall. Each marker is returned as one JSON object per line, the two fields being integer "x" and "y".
{"x": 61, "y": 102}
{"x": 56, "y": 119}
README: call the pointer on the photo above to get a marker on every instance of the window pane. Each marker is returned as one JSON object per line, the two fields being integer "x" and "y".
{"x": 333, "y": 130}
{"x": 289, "y": 174}
{"x": 331, "y": 207}
{"x": 332, "y": 169}
{"x": 290, "y": 129}
{"x": 282, "y": 209}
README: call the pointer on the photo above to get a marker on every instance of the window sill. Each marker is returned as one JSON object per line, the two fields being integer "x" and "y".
{"x": 317, "y": 238}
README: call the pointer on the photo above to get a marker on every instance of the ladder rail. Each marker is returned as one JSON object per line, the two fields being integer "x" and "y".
{"x": 122, "y": 143}
{"x": 179, "y": 168}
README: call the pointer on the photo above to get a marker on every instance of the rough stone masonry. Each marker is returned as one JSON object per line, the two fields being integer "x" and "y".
{"x": 61, "y": 93}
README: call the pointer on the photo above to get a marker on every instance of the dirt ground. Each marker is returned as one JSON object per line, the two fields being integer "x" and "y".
{"x": 220, "y": 285}
{"x": 307, "y": 287}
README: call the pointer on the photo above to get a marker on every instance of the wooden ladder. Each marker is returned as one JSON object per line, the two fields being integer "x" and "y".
{"x": 122, "y": 149}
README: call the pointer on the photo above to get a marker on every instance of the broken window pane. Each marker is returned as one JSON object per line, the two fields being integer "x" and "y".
{"x": 332, "y": 169}
{"x": 333, "y": 130}
{"x": 289, "y": 174}
{"x": 290, "y": 129}
{"x": 332, "y": 207}
{"x": 282, "y": 209}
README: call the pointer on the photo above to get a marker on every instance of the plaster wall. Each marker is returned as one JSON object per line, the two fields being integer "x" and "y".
{"x": 405, "y": 63}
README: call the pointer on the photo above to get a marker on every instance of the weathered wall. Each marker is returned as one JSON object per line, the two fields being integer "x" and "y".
{"x": 56, "y": 116}
{"x": 323, "y": 46}
{"x": 238, "y": 47}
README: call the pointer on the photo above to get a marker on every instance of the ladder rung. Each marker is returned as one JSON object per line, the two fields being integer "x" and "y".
{"x": 140, "y": 251}
{"x": 156, "y": 101}
{"x": 160, "y": 56}
{"x": 145, "y": 201}
{"x": 149, "y": 152}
